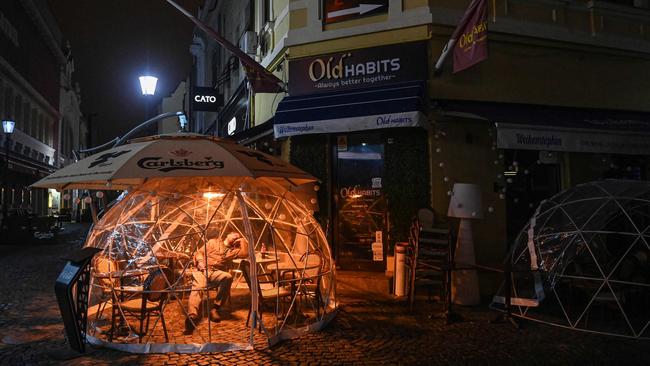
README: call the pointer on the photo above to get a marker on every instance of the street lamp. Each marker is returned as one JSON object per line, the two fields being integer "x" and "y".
{"x": 148, "y": 86}
{"x": 8, "y": 128}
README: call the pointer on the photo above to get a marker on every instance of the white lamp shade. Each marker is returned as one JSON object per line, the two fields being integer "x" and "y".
{"x": 466, "y": 202}
{"x": 8, "y": 126}
{"x": 148, "y": 84}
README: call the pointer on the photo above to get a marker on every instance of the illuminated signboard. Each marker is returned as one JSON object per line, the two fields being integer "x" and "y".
{"x": 341, "y": 10}
{"x": 206, "y": 99}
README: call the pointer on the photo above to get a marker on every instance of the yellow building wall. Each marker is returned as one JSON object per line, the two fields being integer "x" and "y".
{"x": 538, "y": 74}
{"x": 362, "y": 41}
{"x": 465, "y": 162}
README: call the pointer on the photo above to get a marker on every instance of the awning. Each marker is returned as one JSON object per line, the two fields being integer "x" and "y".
{"x": 534, "y": 127}
{"x": 397, "y": 105}
{"x": 254, "y": 133}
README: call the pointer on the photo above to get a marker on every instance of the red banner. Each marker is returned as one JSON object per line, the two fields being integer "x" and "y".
{"x": 261, "y": 80}
{"x": 471, "y": 36}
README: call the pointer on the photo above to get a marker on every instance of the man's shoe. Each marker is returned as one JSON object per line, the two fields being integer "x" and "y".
{"x": 190, "y": 324}
{"x": 214, "y": 315}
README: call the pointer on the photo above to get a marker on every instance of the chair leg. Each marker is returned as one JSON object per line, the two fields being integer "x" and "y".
{"x": 162, "y": 319}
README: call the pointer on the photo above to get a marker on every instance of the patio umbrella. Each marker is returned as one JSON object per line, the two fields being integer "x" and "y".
{"x": 173, "y": 155}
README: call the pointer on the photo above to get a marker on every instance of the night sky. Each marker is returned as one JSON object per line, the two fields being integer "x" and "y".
{"x": 114, "y": 42}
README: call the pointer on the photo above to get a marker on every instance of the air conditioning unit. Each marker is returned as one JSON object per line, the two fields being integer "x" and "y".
{"x": 248, "y": 42}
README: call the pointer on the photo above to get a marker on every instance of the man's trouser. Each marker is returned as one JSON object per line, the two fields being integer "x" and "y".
{"x": 216, "y": 278}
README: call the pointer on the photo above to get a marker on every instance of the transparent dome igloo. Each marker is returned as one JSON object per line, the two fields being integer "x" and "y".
{"x": 583, "y": 260}
{"x": 173, "y": 246}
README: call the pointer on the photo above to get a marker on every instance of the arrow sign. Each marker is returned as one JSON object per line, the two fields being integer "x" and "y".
{"x": 361, "y": 9}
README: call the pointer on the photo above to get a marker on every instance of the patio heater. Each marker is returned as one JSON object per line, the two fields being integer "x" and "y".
{"x": 466, "y": 205}
{"x": 8, "y": 128}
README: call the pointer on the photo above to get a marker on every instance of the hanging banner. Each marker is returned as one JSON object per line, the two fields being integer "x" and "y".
{"x": 471, "y": 37}
{"x": 527, "y": 137}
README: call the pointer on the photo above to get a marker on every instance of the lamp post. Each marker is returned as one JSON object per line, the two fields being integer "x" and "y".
{"x": 148, "y": 86}
{"x": 8, "y": 128}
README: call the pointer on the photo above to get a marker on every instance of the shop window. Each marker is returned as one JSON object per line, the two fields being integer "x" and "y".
{"x": 18, "y": 108}
{"x": 26, "y": 116}
{"x": 9, "y": 97}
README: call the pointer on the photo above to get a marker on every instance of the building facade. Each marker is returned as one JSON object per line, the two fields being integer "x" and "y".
{"x": 559, "y": 101}
{"x": 38, "y": 92}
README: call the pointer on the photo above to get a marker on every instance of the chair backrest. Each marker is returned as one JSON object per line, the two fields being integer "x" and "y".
{"x": 426, "y": 217}
{"x": 104, "y": 264}
{"x": 156, "y": 283}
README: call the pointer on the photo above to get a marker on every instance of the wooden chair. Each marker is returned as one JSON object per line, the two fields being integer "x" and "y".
{"x": 152, "y": 301}
{"x": 429, "y": 257}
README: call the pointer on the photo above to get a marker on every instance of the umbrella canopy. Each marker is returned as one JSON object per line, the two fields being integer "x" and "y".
{"x": 173, "y": 155}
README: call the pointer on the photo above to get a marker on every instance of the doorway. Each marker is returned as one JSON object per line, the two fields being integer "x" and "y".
{"x": 359, "y": 202}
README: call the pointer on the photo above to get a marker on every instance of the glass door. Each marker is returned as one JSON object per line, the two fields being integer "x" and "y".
{"x": 360, "y": 214}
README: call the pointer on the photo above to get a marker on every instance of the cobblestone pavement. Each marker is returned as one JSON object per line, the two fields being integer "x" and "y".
{"x": 367, "y": 330}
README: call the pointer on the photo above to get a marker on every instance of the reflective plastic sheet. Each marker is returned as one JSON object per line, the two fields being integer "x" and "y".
{"x": 583, "y": 260}
{"x": 175, "y": 249}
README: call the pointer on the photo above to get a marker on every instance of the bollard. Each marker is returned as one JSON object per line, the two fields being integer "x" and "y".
{"x": 400, "y": 269}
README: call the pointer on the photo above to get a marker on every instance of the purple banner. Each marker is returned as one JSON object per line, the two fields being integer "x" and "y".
{"x": 471, "y": 37}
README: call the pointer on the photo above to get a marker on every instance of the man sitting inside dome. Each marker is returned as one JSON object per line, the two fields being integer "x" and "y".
{"x": 213, "y": 259}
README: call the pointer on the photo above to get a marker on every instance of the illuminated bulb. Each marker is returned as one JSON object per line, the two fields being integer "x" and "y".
{"x": 449, "y": 193}
{"x": 66, "y": 196}
{"x": 282, "y": 216}
{"x": 550, "y": 155}
{"x": 271, "y": 149}
{"x": 88, "y": 199}
{"x": 77, "y": 201}
{"x": 502, "y": 196}
{"x": 500, "y": 156}
{"x": 603, "y": 160}
{"x": 316, "y": 188}
{"x": 515, "y": 200}
{"x": 446, "y": 179}
{"x": 313, "y": 201}
{"x": 211, "y": 195}
{"x": 526, "y": 171}
{"x": 473, "y": 213}
{"x": 438, "y": 149}
{"x": 268, "y": 206}
{"x": 441, "y": 164}
{"x": 496, "y": 162}
{"x": 99, "y": 194}
{"x": 443, "y": 133}
{"x": 539, "y": 162}
{"x": 509, "y": 180}
{"x": 515, "y": 163}
{"x": 490, "y": 209}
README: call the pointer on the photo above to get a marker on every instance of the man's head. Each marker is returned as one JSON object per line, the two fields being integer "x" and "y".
{"x": 231, "y": 238}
